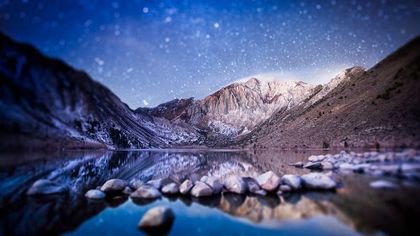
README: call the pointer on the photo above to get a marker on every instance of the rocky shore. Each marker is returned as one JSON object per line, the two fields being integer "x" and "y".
{"x": 402, "y": 165}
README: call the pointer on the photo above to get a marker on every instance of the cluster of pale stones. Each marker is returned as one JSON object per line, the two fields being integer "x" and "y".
{"x": 403, "y": 165}
{"x": 207, "y": 186}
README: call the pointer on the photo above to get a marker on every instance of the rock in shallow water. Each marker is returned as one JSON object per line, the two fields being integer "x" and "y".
{"x": 318, "y": 181}
{"x": 113, "y": 185}
{"x": 45, "y": 187}
{"x": 186, "y": 186}
{"x": 215, "y": 184}
{"x": 313, "y": 166}
{"x": 298, "y": 164}
{"x": 157, "y": 220}
{"x": 201, "y": 189}
{"x": 269, "y": 181}
{"x": 146, "y": 192}
{"x": 292, "y": 180}
{"x": 171, "y": 188}
{"x": 235, "y": 184}
{"x": 95, "y": 194}
{"x": 252, "y": 185}
{"x": 383, "y": 184}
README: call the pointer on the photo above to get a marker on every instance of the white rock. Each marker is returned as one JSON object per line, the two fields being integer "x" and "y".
{"x": 269, "y": 181}
{"x": 171, "y": 188}
{"x": 235, "y": 184}
{"x": 292, "y": 180}
{"x": 383, "y": 184}
{"x": 346, "y": 166}
{"x": 318, "y": 181}
{"x": 95, "y": 194}
{"x": 316, "y": 158}
{"x": 186, "y": 186}
{"x": 326, "y": 165}
{"x": 201, "y": 189}
{"x": 410, "y": 167}
{"x": 156, "y": 217}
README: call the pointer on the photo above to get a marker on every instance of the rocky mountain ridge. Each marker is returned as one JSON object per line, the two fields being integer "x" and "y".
{"x": 47, "y": 104}
{"x": 376, "y": 108}
{"x": 238, "y": 108}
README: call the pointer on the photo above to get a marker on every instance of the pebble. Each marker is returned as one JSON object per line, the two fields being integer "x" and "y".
{"x": 157, "y": 218}
{"x": 235, "y": 184}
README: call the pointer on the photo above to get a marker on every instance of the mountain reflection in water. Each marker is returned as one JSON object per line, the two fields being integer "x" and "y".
{"x": 355, "y": 206}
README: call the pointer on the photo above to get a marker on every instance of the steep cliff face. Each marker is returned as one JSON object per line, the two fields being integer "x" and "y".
{"x": 46, "y": 103}
{"x": 373, "y": 108}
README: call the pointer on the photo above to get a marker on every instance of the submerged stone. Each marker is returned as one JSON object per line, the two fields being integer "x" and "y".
{"x": 157, "y": 220}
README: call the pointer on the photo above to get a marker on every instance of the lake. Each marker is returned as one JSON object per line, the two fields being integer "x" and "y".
{"x": 353, "y": 209}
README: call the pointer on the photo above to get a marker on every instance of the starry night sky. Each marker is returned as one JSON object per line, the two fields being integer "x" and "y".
{"x": 149, "y": 52}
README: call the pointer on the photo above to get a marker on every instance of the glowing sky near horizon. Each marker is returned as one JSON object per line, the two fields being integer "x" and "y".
{"x": 149, "y": 52}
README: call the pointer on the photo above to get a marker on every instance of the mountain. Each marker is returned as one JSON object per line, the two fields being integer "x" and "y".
{"x": 379, "y": 107}
{"x": 46, "y": 103}
{"x": 236, "y": 109}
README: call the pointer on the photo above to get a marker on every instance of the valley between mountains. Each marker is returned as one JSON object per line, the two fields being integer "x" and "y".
{"x": 46, "y": 103}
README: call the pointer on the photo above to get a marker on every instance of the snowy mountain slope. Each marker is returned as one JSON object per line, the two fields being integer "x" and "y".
{"x": 238, "y": 108}
{"x": 46, "y": 103}
{"x": 379, "y": 107}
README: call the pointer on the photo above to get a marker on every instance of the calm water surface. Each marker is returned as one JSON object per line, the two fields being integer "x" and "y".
{"x": 353, "y": 209}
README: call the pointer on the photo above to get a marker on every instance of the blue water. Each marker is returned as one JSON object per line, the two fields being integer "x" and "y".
{"x": 201, "y": 220}
{"x": 353, "y": 209}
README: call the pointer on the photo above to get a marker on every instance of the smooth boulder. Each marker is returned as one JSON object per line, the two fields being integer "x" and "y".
{"x": 95, "y": 194}
{"x": 113, "y": 185}
{"x": 215, "y": 184}
{"x": 235, "y": 184}
{"x": 201, "y": 189}
{"x": 157, "y": 220}
{"x": 45, "y": 187}
{"x": 171, "y": 188}
{"x": 252, "y": 185}
{"x": 293, "y": 181}
{"x": 318, "y": 181}
{"x": 269, "y": 181}
{"x": 186, "y": 186}
{"x": 146, "y": 192}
